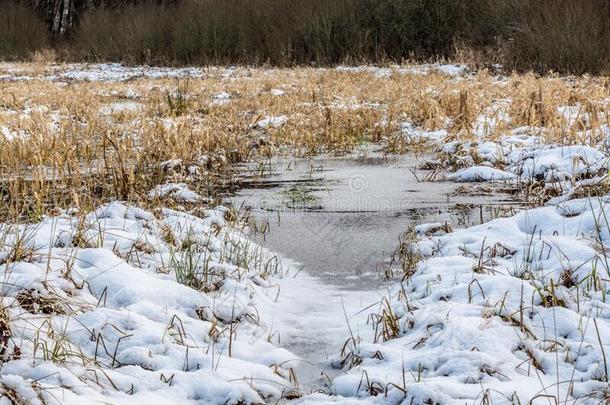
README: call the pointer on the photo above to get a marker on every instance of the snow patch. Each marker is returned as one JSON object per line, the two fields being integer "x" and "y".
{"x": 175, "y": 191}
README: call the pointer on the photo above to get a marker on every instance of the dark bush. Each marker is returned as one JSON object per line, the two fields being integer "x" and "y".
{"x": 560, "y": 35}
{"x": 21, "y": 32}
{"x": 283, "y": 31}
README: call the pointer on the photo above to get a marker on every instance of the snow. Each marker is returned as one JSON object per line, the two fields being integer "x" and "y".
{"x": 7, "y": 133}
{"x": 451, "y": 70}
{"x": 315, "y": 319}
{"x": 506, "y": 309}
{"x": 517, "y": 156}
{"x": 435, "y": 228}
{"x": 272, "y": 121}
{"x": 128, "y": 305}
{"x": 221, "y": 98}
{"x": 120, "y": 107}
{"x": 569, "y": 160}
{"x": 98, "y": 311}
{"x": 493, "y": 118}
{"x": 175, "y": 191}
{"x": 352, "y": 104}
{"x": 97, "y": 72}
{"x": 481, "y": 173}
{"x": 115, "y": 72}
{"x": 414, "y": 134}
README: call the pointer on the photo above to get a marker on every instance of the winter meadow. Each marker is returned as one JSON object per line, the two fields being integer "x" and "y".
{"x": 331, "y": 202}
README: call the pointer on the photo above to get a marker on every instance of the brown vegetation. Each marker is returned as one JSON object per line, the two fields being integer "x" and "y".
{"x": 82, "y": 143}
{"x": 563, "y": 36}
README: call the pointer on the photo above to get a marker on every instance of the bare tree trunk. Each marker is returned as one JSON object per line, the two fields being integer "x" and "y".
{"x": 59, "y": 15}
{"x": 63, "y": 15}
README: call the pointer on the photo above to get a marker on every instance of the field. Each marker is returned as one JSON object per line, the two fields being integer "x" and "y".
{"x": 128, "y": 276}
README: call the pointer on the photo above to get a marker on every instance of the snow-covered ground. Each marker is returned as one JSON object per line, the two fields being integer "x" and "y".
{"x": 510, "y": 311}
{"x": 504, "y": 312}
{"x": 95, "y": 72}
{"x": 126, "y": 305}
{"x": 104, "y": 307}
{"x": 115, "y": 72}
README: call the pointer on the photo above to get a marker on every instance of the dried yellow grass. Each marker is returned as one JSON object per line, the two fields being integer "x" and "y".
{"x": 71, "y": 151}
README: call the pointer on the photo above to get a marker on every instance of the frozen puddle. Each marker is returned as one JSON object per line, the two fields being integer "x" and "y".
{"x": 341, "y": 219}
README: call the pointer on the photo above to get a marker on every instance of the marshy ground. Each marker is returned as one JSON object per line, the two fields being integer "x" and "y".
{"x": 426, "y": 233}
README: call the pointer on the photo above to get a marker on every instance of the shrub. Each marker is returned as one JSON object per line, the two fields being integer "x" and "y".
{"x": 21, "y": 32}
{"x": 561, "y": 35}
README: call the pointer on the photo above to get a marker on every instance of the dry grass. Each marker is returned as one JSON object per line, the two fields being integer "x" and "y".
{"x": 81, "y": 143}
